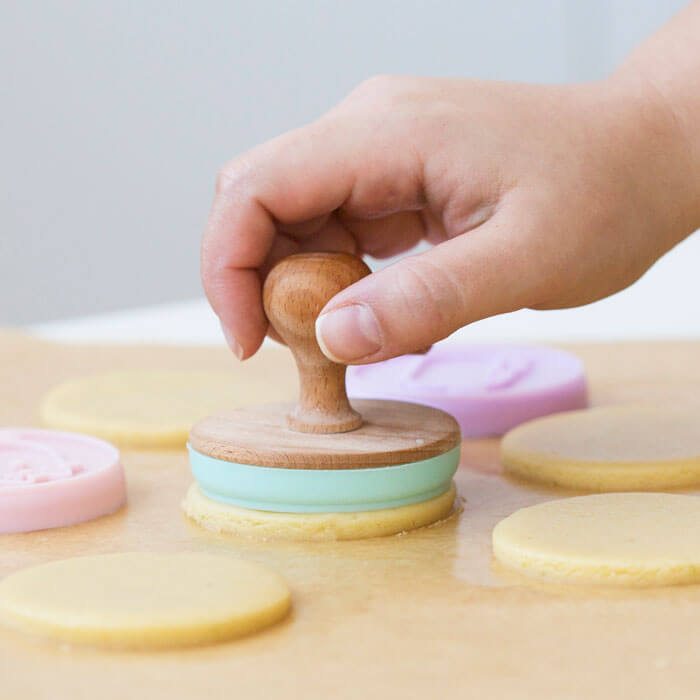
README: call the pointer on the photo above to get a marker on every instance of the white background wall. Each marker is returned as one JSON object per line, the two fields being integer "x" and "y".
{"x": 115, "y": 116}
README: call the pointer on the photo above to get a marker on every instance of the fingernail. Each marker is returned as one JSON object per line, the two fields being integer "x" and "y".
{"x": 232, "y": 342}
{"x": 349, "y": 333}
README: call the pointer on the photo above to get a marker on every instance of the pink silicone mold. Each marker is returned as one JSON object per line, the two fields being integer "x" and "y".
{"x": 489, "y": 389}
{"x": 53, "y": 479}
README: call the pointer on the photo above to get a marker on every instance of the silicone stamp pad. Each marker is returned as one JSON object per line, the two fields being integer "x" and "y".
{"x": 489, "y": 389}
{"x": 53, "y": 479}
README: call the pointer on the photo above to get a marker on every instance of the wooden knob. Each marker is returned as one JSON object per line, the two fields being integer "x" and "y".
{"x": 295, "y": 292}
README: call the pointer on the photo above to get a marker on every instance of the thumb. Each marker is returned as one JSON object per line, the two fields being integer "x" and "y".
{"x": 423, "y": 298}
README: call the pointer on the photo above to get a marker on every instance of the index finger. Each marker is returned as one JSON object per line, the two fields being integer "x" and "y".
{"x": 296, "y": 177}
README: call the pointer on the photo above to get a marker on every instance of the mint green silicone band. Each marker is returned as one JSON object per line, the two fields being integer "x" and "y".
{"x": 323, "y": 490}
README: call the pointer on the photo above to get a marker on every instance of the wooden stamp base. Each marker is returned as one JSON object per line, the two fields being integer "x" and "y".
{"x": 393, "y": 432}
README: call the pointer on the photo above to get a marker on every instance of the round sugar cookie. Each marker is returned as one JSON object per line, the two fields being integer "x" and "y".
{"x": 56, "y": 479}
{"x": 144, "y": 600}
{"x": 615, "y": 448}
{"x": 142, "y": 408}
{"x": 628, "y": 539}
{"x": 225, "y": 518}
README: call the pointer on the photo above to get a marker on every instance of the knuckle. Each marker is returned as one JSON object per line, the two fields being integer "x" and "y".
{"x": 427, "y": 287}
{"x": 379, "y": 85}
{"x": 225, "y": 177}
{"x": 233, "y": 175}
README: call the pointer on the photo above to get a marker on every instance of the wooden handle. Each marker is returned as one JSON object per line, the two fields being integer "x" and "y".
{"x": 295, "y": 292}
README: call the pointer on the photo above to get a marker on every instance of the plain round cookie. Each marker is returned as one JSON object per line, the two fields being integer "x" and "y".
{"x": 625, "y": 539}
{"x": 224, "y": 518}
{"x": 141, "y": 408}
{"x": 617, "y": 448}
{"x": 144, "y": 600}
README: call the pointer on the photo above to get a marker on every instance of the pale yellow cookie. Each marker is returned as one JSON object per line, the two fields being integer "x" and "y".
{"x": 221, "y": 517}
{"x": 141, "y": 408}
{"x": 144, "y": 600}
{"x": 629, "y": 539}
{"x": 618, "y": 448}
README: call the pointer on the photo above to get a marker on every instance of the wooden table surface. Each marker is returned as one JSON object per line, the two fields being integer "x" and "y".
{"x": 425, "y": 614}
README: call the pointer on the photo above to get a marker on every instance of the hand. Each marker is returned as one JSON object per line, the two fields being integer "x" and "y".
{"x": 536, "y": 196}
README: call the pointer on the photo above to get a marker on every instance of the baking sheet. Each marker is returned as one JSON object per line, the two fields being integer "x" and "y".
{"x": 425, "y": 614}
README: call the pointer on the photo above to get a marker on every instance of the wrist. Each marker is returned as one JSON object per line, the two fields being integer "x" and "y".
{"x": 667, "y": 142}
